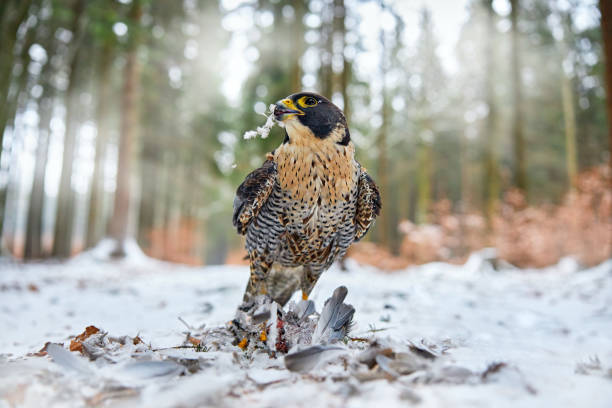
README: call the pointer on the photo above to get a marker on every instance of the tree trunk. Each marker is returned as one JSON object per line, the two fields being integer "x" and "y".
{"x": 95, "y": 218}
{"x": 567, "y": 99}
{"x": 327, "y": 37}
{"x": 10, "y": 100}
{"x": 13, "y": 15}
{"x": 520, "y": 169}
{"x": 491, "y": 181}
{"x": 297, "y": 48}
{"x": 424, "y": 170}
{"x": 383, "y": 170}
{"x": 605, "y": 7}
{"x": 339, "y": 36}
{"x": 33, "y": 244}
{"x": 62, "y": 239}
{"x": 150, "y": 180}
{"x": 129, "y": 121}
{"x": 569, "y": 119}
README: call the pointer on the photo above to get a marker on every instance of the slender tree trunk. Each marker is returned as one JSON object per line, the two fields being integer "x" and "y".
{"x": 14, "y": 14}
{"x": 297, "y": 48}
{"x": 327, "y": 36}
{"x": 605, "y": 7}
{"x": 520, "y": 170}
{"x": 33, "y": 244}
{"x": 341, "y": 79}
{"x": 491, "y": 182}
{"x": 466, "y": 199}
{"x": 567, "y": 98}
{"x": 10, "y": 100}
{"x": 569, "y": 118}
{"x": 62, "y": 239}
{"x": 129, "y": 123}
{"x": 424, "y": 171}
{"x": 150, "y": 180}
{"x": 95, "y": 218}
{"x": 383, "y": 171}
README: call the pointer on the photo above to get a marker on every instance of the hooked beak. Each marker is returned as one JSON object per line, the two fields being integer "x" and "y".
{"x": 285, "y": 109}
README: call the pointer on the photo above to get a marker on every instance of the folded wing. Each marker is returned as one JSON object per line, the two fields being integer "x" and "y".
{"x": 368, "y": 205}
{"x": 252, "y": 195}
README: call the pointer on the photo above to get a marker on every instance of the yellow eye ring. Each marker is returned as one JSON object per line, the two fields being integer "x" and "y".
{"x": 307, "y": 101}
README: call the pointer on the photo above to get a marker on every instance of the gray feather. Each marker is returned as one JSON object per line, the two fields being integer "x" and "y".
{"x": 68, "y": 360}
{"x": 335, "y": 318}
{"x": 304, "y": 309}
{"x": 151, "y": 369}
{"x": 307, "y": 359}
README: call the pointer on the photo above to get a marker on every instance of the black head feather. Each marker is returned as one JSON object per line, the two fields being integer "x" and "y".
{"x": 323, "y": 117}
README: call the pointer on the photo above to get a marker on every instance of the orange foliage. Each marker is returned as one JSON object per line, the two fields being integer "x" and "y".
{"x": 176, "y": 242}
{"x": 526, "y": 236}
{"x": 371, "y": 254}
{"x": 581, "y": 226}
{"x": 237, "y": 257}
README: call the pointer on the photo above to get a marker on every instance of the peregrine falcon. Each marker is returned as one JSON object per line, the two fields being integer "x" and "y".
{"x": 307, "y": 203}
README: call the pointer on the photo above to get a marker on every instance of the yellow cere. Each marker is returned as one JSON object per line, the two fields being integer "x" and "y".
{"x": 289, "y": 104}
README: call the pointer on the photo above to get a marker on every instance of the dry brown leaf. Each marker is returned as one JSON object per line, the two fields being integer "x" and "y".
{"x": 89, "y": 330}
{"x": 76, "y": 345}
{"x": 42, "y": 352}
{"x": 194, "y": 341}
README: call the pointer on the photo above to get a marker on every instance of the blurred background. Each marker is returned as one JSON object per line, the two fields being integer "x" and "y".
{"x": 483, "y": 122}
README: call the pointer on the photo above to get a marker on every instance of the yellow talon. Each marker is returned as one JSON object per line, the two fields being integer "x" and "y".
{"x": 304, "y": 296}
{"x": 263, "y": 336}
{"x": 243, "y": 343}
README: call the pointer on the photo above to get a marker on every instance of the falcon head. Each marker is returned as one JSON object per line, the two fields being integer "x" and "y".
{"x": 309, "y": 117}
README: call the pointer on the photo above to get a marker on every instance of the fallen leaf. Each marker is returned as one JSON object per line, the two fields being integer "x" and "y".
{"x": 89, "y": 330}
{"x": 194, "y": 341}
{"x": 76, "y": 345}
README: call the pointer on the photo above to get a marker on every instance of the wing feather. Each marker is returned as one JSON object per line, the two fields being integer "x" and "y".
{"x": 368, "y": 204}
{"x": 252, "y": 195}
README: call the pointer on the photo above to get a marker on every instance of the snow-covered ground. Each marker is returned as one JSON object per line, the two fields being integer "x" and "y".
{"x": 551, "y": 329}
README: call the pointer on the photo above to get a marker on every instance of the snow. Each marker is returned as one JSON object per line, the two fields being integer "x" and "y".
{"x": 551, "y": 329}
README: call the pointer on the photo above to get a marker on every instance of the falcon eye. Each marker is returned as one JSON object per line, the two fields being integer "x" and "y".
{"x": 308, "y": 101}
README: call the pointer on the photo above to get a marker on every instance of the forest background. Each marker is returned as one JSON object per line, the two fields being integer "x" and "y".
{"x": 485, "y": 123}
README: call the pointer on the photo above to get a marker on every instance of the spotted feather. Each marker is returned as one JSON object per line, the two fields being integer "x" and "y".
{"x": 368, "y": 204}
{"x": 252, "y": 194}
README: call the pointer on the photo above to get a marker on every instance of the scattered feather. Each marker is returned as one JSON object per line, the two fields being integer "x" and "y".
{"x": 335, "y": 319}
{"x": 66, "y": 359}
{"x": 307, "y": 359}
{"x": 264, "y": 131}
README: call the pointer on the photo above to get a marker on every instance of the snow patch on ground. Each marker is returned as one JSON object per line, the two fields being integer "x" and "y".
{"x": 511, "y": 337}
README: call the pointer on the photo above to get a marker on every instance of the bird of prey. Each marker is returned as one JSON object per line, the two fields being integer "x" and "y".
{"x": 307, "y": 203}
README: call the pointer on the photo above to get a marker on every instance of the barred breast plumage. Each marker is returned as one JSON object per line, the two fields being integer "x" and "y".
{"x": 308, "y": 218}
